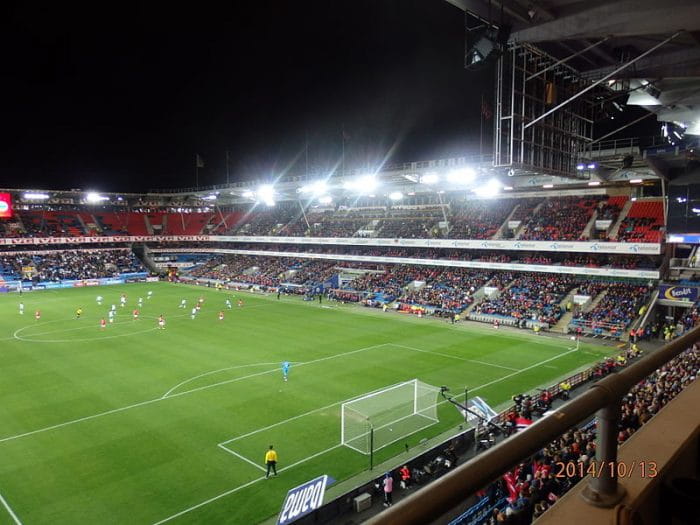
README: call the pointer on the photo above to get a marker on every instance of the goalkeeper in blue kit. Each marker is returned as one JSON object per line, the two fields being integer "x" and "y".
{"x": 285, "y": 370}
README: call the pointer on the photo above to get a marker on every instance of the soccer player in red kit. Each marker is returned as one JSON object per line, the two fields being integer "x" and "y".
{"x": 103, "y": 324}
{"x": 135, "y": 314}
{"x": 221, "y": 316}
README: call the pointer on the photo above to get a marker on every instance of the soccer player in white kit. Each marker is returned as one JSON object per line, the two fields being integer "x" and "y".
{"x": 99, "y": 300}
{"x": 122, "y": 301}
{"x": 21, "y": 308}
{"x": 110, "y": 314}
{"x": 183, "y": 304}
{"x": 140, "y": 302}
{"x": 228, "y": 304}
{"x": 150, "y": 293}
{"x": 194, "y": 313}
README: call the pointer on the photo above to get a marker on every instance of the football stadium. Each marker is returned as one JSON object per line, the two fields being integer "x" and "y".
{"x": 504, "y": 334}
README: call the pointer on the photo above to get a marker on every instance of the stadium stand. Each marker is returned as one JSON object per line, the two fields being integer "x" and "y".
{"x": 562, "y": 219}
{"x": 71, "y": 264}
{"x": 479, "y": 219}
{"x": 643, "y": 222}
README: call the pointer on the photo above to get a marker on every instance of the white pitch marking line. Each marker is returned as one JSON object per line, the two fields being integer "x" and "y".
{"x": 9, "y": 509}
{"x": 455, "y": 357}
{"x": 224, "y": 447}
{"x": 240, "y": 487}
{"x": 150, "y": 401}
{"x": 215, "y": 372}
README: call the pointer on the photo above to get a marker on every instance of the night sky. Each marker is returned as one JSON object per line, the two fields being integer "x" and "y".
{"x": 122, "y": 99}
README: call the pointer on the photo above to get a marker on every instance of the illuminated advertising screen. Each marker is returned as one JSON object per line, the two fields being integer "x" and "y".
{"x": 5, "y": 205}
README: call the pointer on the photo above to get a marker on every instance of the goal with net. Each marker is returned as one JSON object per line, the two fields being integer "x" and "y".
{"x": 375, "y": 420}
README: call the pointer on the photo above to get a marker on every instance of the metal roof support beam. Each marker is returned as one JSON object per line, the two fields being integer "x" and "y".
{"x": 606, "y": 77}
{"x": 563, "y": 60}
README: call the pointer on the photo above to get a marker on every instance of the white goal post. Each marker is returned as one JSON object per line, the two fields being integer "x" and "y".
{"x": 377, "y": 419}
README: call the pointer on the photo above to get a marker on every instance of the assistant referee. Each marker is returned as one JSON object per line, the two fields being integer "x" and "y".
{"x": 271, "y": 461}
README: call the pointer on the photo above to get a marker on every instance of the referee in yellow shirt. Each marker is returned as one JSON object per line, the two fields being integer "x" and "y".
{"x": 271, "y": 461}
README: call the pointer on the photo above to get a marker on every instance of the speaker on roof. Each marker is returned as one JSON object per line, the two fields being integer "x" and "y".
{"x": 484, "y": 44}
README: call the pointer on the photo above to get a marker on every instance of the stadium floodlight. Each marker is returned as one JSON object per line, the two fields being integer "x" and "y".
{"x": 507, "y": 188}
{"x": 326, "y": 199}
{"x": 461, "y": 175}
{"x": 594, "y": 183}
{"x": 547, "y": 186}
{"x": 377, "y": 419}
{"x": 488, "y": 190}
{"x": 247, "y": 194}
{"x": 266, "y": 193}
{"x": 314, "y": 188}
{"x": 635, "y": 181}
{"x": 430, "y": 178}
{"x": 396, "y": 195}
{"x": 35, "y": 196}
{"x": 364, "y": 184}
{"x": 580, "y": 167}
{"x": 591, "y": 166}
{"x": 93, "y": 196}
{"x": 209, "y": 197}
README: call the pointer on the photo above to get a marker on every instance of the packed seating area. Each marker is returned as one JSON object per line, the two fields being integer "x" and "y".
{"x": 479, "y": 219}
{"x": 545, "y": 219}
{"x": 72, "y": 264}
{"x": 617, "y": 309}
{"x": 534, "y": 297}
{"x": 533, "y": 486}
{"x": 562, "y": 219}
{"x": 644, "y": 222}
{"x": 522, "y": 297}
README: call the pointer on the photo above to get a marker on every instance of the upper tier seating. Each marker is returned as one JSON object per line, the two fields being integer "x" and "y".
{"x": 643, "y": 222}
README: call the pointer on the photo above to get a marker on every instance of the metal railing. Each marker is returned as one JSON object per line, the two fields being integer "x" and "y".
{"x": 604, "y": 397}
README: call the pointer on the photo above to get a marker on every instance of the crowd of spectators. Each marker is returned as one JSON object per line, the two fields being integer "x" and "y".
{"x": 561, "y": 219}
{"x": 479, "y": 219}
{"x": 534, "y": 297}
{"x": 533, "y": 486}
{"x": 621, "y": 304}
{"x": 69, "y": 264}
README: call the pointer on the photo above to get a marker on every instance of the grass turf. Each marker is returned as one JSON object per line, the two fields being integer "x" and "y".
{"x": 122, "y": 425}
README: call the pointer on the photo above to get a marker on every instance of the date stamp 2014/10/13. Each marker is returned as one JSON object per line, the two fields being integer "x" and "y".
{"x": 597, "y": 469}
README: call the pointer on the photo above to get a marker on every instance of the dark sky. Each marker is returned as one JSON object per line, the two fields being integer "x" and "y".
{"x": 122, "y": 98}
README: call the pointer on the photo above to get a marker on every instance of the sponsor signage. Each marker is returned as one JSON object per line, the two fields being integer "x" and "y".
{"x": 678, "y": 293}
{"x": 302, "y": 500}
{"x": 466, "y": 244}
{"x": 5, "y": 205}
{"x": 541, "y": 268}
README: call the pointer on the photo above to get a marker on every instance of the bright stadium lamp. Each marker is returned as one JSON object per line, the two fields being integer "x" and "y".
{"x": 266, "y": 193}
{"x": 461, "y": 175}
{"x": 93, "y": 196}
{"x": 315, "y": 188}
{"x": 248, "y": 194}
{"x": 430, "y": 178}
{"x": 326, "y": 199}
{"x": 488, "y": 190}
{"x": 396, "y": 195}
{"x": 363, "y": 184}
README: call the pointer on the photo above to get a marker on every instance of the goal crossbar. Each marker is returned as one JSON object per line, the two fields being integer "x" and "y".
{"x": 388, "y": 415}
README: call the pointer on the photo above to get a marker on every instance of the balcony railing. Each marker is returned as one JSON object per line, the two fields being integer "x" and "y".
{"x": 604, "y": 397}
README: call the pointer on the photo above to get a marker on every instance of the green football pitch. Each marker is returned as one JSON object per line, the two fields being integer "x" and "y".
{"x": 132, "y": 424}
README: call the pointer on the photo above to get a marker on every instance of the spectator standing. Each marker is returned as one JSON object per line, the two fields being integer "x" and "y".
{"x": 388, "y": 484}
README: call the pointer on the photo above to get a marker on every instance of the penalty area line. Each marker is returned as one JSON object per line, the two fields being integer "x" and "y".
{"x": 241, "y": 487}
{"x": 245, "y": 485}
{"x": 10, "y": 511}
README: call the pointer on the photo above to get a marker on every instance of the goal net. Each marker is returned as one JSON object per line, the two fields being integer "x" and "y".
{"x": 380, "y": 418}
